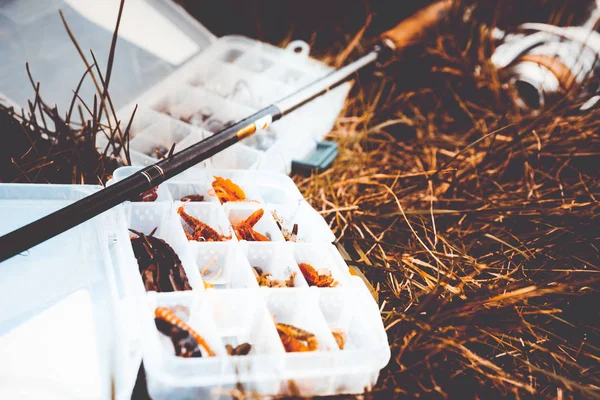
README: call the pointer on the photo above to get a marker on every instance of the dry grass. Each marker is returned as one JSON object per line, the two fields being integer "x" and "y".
{"x": 478, "y": 227}
{"x": 41, "y": 144}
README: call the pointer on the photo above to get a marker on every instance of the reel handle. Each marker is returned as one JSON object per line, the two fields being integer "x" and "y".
{"x": 412, "y": 30}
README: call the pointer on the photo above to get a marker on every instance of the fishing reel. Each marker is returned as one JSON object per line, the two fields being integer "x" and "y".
{"x": 539, "y": 63}
{"x": 543, "y": 64}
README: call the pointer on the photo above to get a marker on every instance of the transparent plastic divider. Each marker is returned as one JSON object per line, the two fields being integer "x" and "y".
{"x": 238, "y": 85}
{"x": 312, "y": 227}
{"x": 121, "y": 173}
{"x": 140, "y": 159}
{"x": 274, "y": 258}
{"x": 294, "y": 77}
{"x": 145, "y": 217}
{"x": 231, "y": 55}
{"x": 197, "y": 135}
{"x": 253, "y": 62}
{"x": 152, "y": 146}
{"x": 376, "y": 322}
{"x": 175, "y": 104}
{"x": 222, "y": 265}
{"x": 257, "y": 91}
{"x": 276, "y": 161}
{"x": 241, "y": 317}
{"x": 345, "y": 314}
{"x": 204, "y": 75}
{"x": 238, "y": 156}
{"x": 246, "y": 87}
{"x": 200, "y": 186}
{"x": 200, "y": 108}
{"x": 242, "y": 48}
{"x": 322, "y": 256}
{"x": 263, "y": 140}
{"x": 210, "y": 213}
{"x": 238, "y": 212}
{"x": 304, "y": 372}
{"x": 156, "y": 140}
{"x": 276, "y": 188}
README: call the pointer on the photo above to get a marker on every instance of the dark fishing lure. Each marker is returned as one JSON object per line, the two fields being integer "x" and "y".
{"x": 185, "y": 345}
{"x": 241, "y": 350}
{"x": 159, "y": 265}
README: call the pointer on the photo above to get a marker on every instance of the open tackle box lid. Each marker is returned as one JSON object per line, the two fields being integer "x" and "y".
{"x": 34, "y": 33}
{"x": 185, "y": 92}
{"x": 80, "y": 320}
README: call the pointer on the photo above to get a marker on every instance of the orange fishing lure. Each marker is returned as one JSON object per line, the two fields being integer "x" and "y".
{"x": 244, "y": 230}
{"x": 227, "y": 191}
{"x": 200, "y": 231}
{"x": 292, "y": 338}
{"x": 314, "y": 278}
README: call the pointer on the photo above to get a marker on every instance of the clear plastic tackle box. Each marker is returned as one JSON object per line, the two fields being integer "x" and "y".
{"x": 187, "y": 83}
{"x": 225, "y": 305}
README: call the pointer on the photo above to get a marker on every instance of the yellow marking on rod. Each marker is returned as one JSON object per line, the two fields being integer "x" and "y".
{"x": 246, "y": 131}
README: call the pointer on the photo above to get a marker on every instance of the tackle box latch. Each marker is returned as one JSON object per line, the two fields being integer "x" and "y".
{"x": 318, "y": 160}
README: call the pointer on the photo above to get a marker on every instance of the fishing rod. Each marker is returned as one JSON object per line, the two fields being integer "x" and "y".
{"x": 405, "y": 34}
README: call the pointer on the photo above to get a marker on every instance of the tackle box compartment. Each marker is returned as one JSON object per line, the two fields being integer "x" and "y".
{"x": 225, "y": 305}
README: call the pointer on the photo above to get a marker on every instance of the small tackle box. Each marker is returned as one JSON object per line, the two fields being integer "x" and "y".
{"x": 92, "y": 273}
{"x": 186, "y": 82}
{"x": 231, "y": 79}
